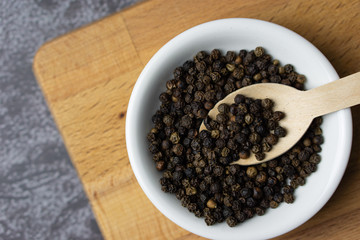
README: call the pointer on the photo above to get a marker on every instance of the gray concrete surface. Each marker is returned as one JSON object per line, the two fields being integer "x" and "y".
{"x": 41, "y": 196}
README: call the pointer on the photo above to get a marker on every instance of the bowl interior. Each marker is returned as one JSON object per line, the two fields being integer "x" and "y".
{"x": 237, "y": 34}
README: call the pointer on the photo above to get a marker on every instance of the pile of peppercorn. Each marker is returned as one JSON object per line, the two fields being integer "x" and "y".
{"x": 192, "y": 163}
{"x": 245, "y": 126}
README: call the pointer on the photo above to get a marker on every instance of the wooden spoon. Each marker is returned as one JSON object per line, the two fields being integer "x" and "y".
{"x": 300, "y": 108}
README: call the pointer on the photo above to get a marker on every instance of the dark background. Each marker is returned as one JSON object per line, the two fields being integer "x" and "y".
{"x": 41, "y": 196}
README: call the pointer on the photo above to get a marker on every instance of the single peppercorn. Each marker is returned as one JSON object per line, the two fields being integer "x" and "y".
{"x": 222, "y": 118}
{"x": 231, "y": 221}
{"x": 256, "y": 148}
{"x": 215, "y": 54}
{"x": 280, "y": 131}
{"x": 257, "y": 77}
{"x": 257, "y": 193}
{"x": 303, "y": 155}
{"x": 251, "y": 172}
{"x": 249, "y": 119}
{"x": 239, "y": 99}
{"x": 165, "y": 144}
{"x": 250, "y": 202}
{"x": 266, "y": 147}
{"x": 259, "y": 156}
{"x": 153, "y": 148}
{"x": 245, "y": 192}
{"x": 175, "y": 138}
{"x": 215, "y": 187}
{"x": 190, "y": 191}
{"x": 261, "y": 177}
{"x": 230, "y": 56}
{"x": 215, "y": 76}
{"x": 196, "y": 144}
{"x": 215, "y": 133}
{"x": 271, "y": 139}
{"x": 288, "y": 68}
{"x": 160, "y": 165}
{"x": 208, "y": 105}
{"x": 218, "y": 171}
{"x": 168, "y": 120}
{"x": 244, "y": 154}
{"x": 230, "y": 67}
{"x": 259, "y": 51}
{"x": 274, "y": 204}
{"x": 223, "y": 108}
{"x": 278, "y": 197}
{"x": 315, "y": 158}
{"x": 177, "y": 175}
{"x": 318, "y": 139}
{"x": 208, "y": 142}
{"x": 254, "y": 138}
{"x": 307, "y": 142}
{"x": 277, "y": 116}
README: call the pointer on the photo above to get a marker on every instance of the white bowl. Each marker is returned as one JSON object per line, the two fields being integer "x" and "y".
{"x": 236, "y": 34}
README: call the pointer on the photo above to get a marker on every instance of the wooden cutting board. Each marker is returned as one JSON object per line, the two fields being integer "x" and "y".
{"x": 87, "y": 77}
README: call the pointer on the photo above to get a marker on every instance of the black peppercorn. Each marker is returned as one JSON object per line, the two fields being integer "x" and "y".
{"x": 223, "y": 108}
{"x": 168, "y": 120}
{"x": 271, "y": 139}
{"x": 160, "y": 165}
{"x": 261, "y": 130}
{"x": 315, "y": 158}
{"x": 215, "y": 54}
{"x": 165, "y": 144}
{"x": 259, "y": 156}
{"x": 244, "y": 154}
{"x": 273, "y": 69}
{"x": 231, "y": 221}
{"x": 196, "y": 166}
{"x": 288, "y": 68}
{"x": 277, "y": 116}
{"x": 218, "y": 171}
{"x": 177, "y": 175}
{"x": 239, "y": 99}
{"x": 175, "y": 138}
{"x": 215, "y": 187}
{"x": 303, "y": 155}
{"x": 254, "y": 138}
{"x": 222, "y": 118}
{"x": 278, "y": 197}
{"x": 230, "y": 56}
{"x": 280, "y": 132}
{"x": 153, "y": 148}
{"x": 318, "y": 139}
{"x": 259, "y": 51}
{"x": 251, "y": 172}
{"x": 261, "y": 177}
{"x": 274, "y": 204}
{"x": 249, "y": 119}
{"x": 249, "y": 58}
{"x": 240, "y": 216}
{"x": 249, "y": 212}
{"x": 250, "y": 202}
{"x": 260, "y": 211}
{"x": 215, "y": 133}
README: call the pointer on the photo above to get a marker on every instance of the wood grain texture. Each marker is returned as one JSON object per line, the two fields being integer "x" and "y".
{"x": 87, "y": 77}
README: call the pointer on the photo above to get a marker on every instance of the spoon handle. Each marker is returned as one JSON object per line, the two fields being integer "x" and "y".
{"x": 331, "y": 97}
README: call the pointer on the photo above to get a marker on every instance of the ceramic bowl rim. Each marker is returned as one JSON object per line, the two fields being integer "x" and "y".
{"x": 134, "y": 101}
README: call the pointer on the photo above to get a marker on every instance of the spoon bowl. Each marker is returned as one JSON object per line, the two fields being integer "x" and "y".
{"x": 300, "y": 108}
